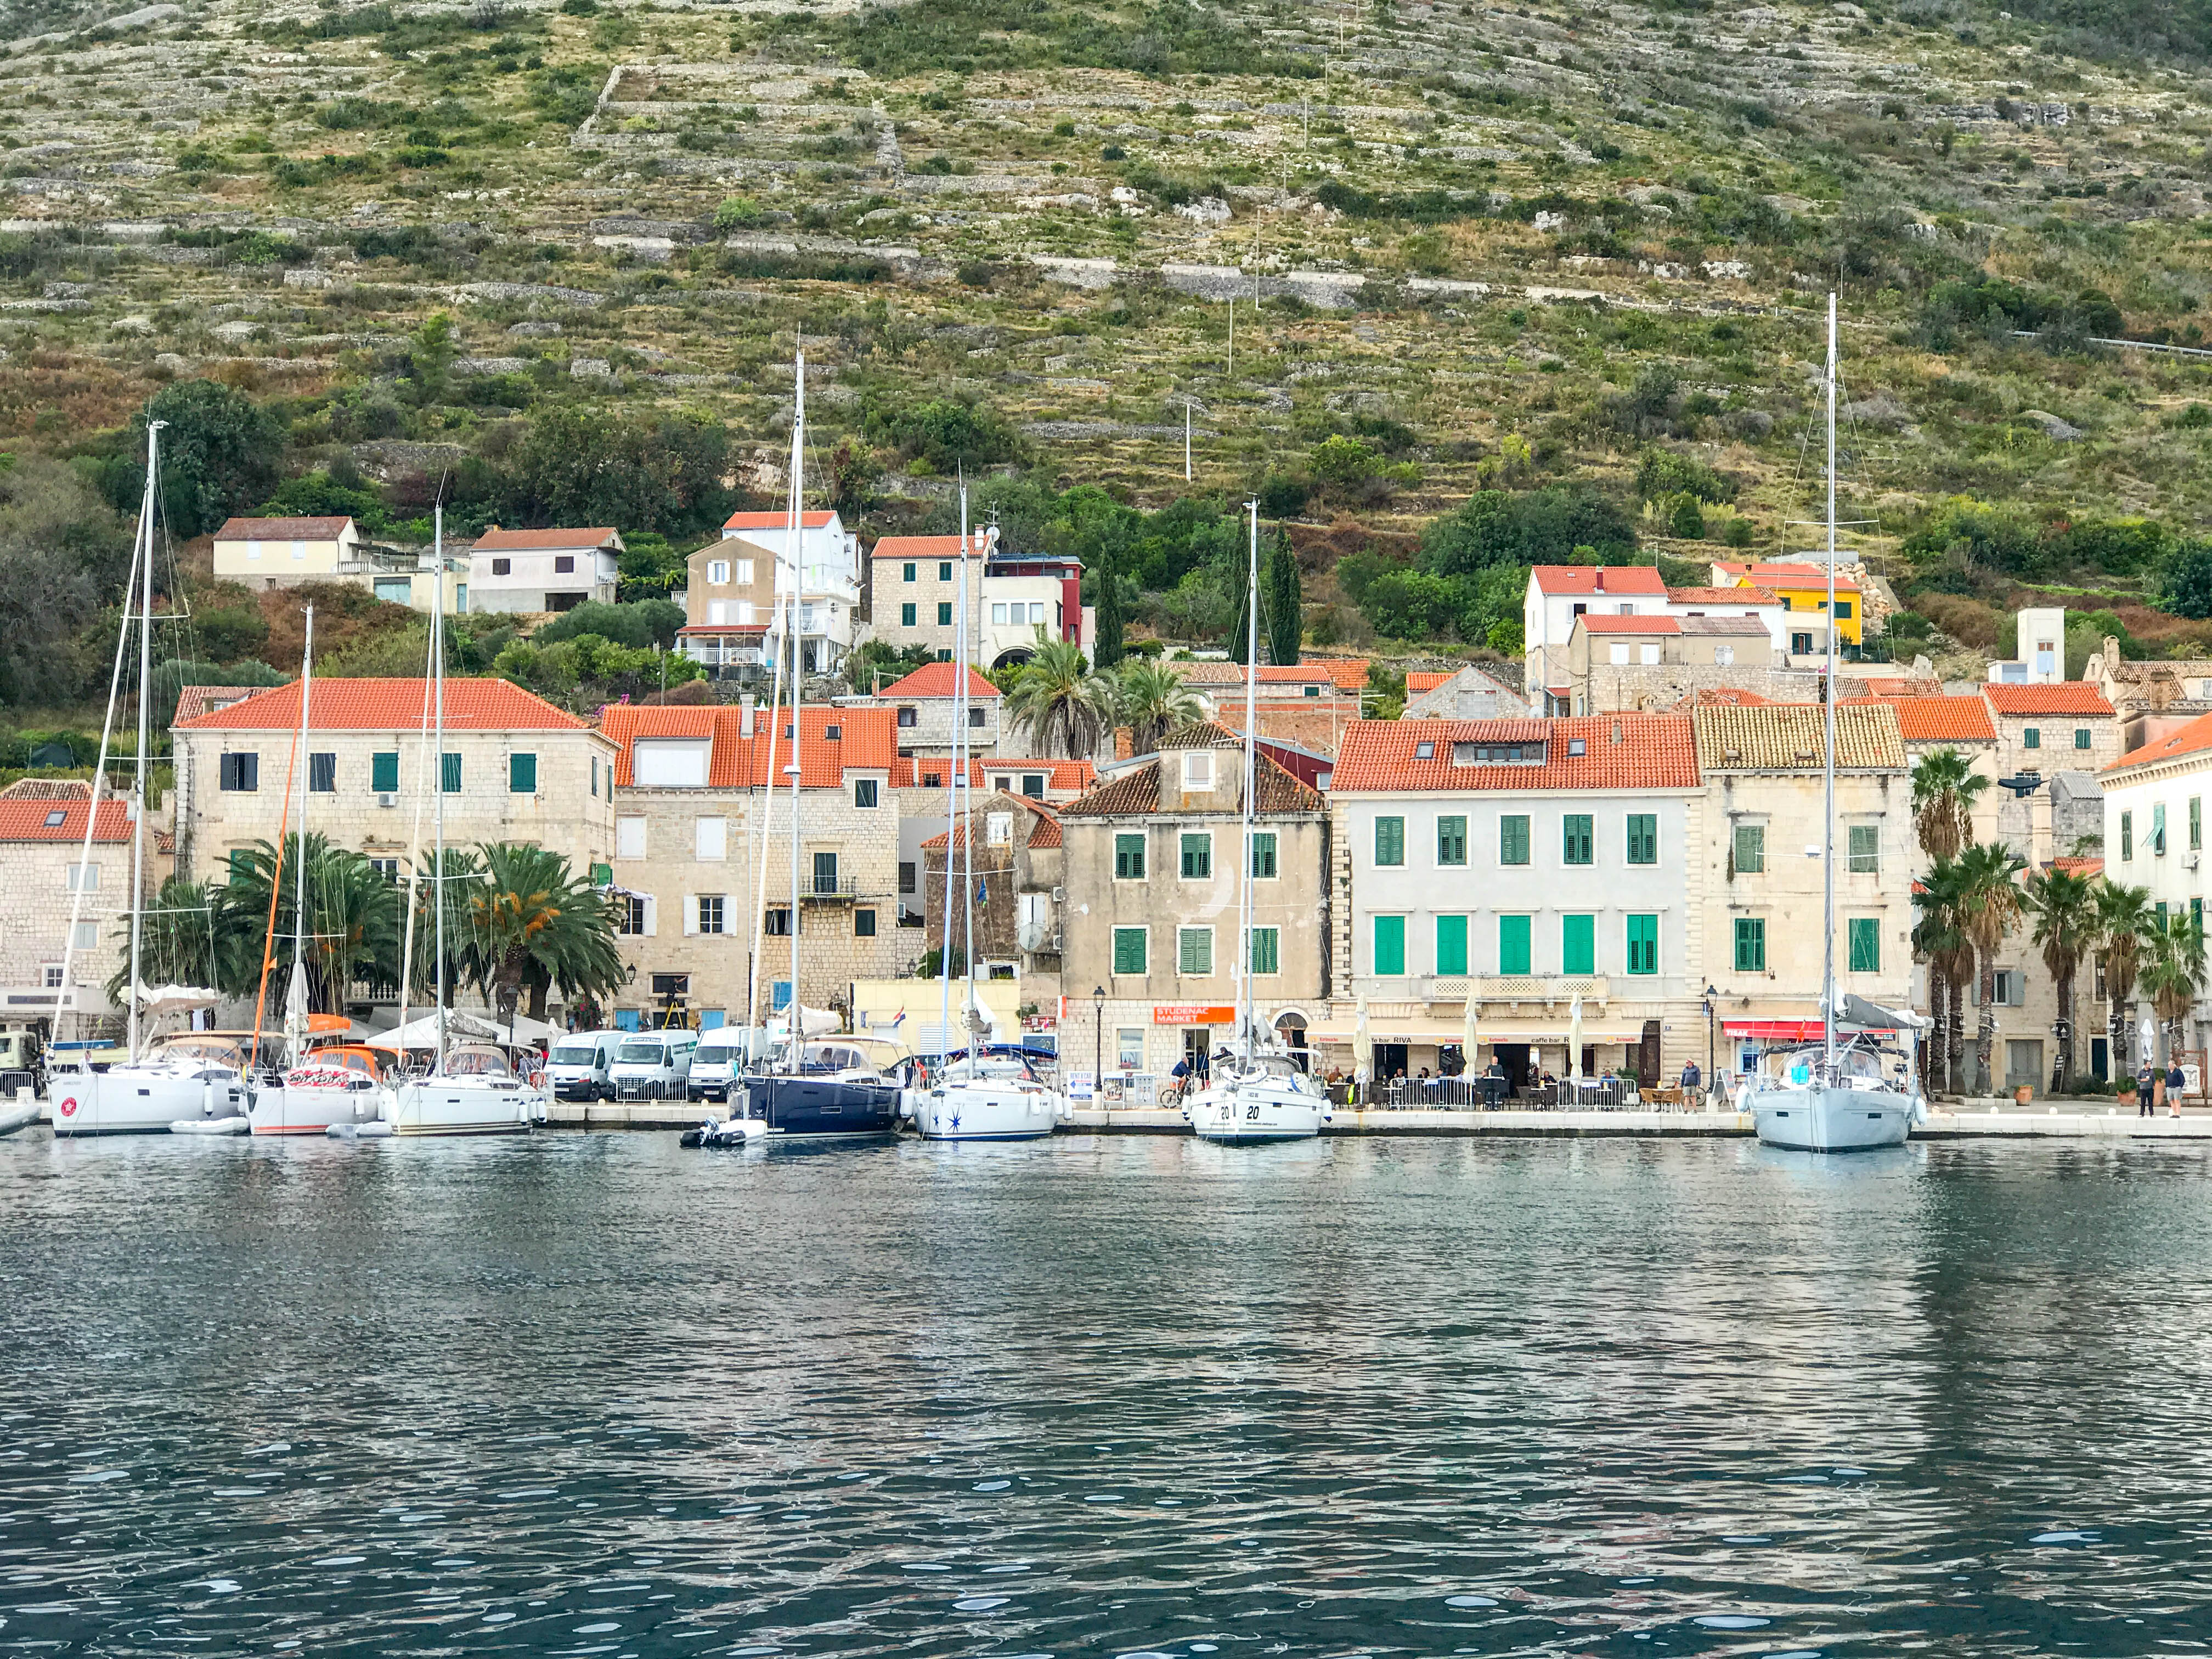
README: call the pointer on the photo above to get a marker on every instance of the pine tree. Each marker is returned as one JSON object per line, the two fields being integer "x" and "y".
{"x": 1106, "y": 643}
{"x": 1283, "y": 602}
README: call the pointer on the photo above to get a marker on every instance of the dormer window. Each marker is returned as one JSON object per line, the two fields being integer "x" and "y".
{"x": 1576, "y": 746}
{"x": 1498, "y": 754}
{"x": 1424, "y": 752}
{"x": 1197, "y": 769}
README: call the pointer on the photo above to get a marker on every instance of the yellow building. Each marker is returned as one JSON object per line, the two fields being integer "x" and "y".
{"x": 1803, "y": 591}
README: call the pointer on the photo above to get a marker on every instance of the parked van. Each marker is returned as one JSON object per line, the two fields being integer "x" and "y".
{"x": 652, "y": 1065}
{"x": 581, "y": 1065}
{"x": 717, "y": 1059}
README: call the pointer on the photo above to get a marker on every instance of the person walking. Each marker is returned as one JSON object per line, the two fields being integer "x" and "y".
{"x": 1693, "y": 1081}
{"x": 2175, "y": 1083}
{"x": 2144, "y": 1089}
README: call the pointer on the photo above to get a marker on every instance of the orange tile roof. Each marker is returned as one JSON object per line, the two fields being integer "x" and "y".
{"x": 2192, "y": 738}
{"x": 1137, "y": 789}
{"x": 922, "y": 547}
{"x": 343, "y": 705}
{"x": 1592, "y": 623}
{"x": 1934, "y": 719}
{"x": 1790, "y": 737}
{"x": 496, "y": 540}
{"x": 867, "y": 741}
{"x": 2073, "y": 866}
{"x": 1720, "y": 596}
{"x": 1722, "y": 696}
{"x": 281, "y": 530}
{"x": 1423, "y": 679}
{"x": 1797, "y": 575}
{"x": 61, "y": 820}
{"x": 937, "y": 680}
{"x": 1629, "y": 578}
{"x": 1350, "y": 673}
{"x": 195, "y": 700}
{"x": 775, "y": 520}
{"x": 1889, "y": 686}
{"x": 48, "y": 789}
{"x": 2067, "y": 697}
{"x": 1651, "y": 751}
{"x": 906, "y": 772}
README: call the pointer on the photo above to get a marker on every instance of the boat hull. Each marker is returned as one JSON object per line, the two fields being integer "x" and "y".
{"x": 125, "y": 1101}
{"x": 308, "y": 1109}
{"x": 1830, "y": 1119}
{"x": 985, "y": 1110}
{"x": 819, "y": 1109}
{"x": 1243, "y": 1114}
{"x": 454, "y": 1106}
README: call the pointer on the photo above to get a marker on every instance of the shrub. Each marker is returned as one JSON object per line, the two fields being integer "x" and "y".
{"x": 944, "y": 432}
{"x": 2185, "y": 585}
{"x": 1663, "y": 473}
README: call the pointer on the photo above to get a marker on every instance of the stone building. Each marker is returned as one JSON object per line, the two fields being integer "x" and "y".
{"x": 44, "y": 872}
{"x": 2068, "y": 724}
{"x": 1622, "y": 664}
{"x": 729, "y": 598}
{"x": 915, "y": 585}
{"x": 924, "y": 707}
{"x": 2151, "y": 699}
{"x": 690, "y": 802}
{"x": 1152, "y": 859}
{"x": 920, "y": 787}
{"x": 1007, "y": 851}
{"x": 1469, "y": 694}
{"x": 531, "y": 571}
{"x": 516, "y": 768}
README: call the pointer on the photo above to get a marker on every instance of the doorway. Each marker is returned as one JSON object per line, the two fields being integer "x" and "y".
{"x": 1389, "y": 1060}
{"x": 1512, "y": 1060}
{"x": 1647, "y": 1056}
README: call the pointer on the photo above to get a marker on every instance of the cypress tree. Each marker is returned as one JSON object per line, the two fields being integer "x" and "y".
{"x": 1283, "y": 601}
{"x": 1240, "y": 637}
{"x": 1106, "y": 646}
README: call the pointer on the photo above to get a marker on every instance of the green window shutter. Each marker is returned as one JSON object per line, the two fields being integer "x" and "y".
{"x": 1513, "y": 945}
{"x": 1578, "y": 944}
{"x": 1267, "y": 951}
{"x": 945, "y": 614}
{"x": 909, "y": 573}
{"x": 1451, "y": 840}
{"x": 1129, "y": 950}
{"x": 2196, "y": 916}
{"x": 603, "y": 875}
{"x": 451, "y": 771}
{"x": 1750, "y": 944}
{"x": 1390, "y": 841}
{"x": 2195, "y": 823}
{"x": 2158, "y": 829}
{"x": 1194, "y": 951}
{"x": 1578, "y": 843}
{"x": 2081, "y": 736}
{"x": 384, "y": 773}
{"x": 1643, "y": 945}
{"x": 1750, "y": 848}
{"x": 1865, "y": 849}
{"x": 1513, "y": 839}
{"x": 1197, "y": 856}
{"x": 2127, "y": 834}
{"x": 1866, "y": 944}
{"x": 242, "y": 864}
{"x": 522, "y": 775}
{"x": 1451, "y": 945}
{"x": 1389, "y": 945}
{"x": 1128, "y": 858}
{"x": 907, "y": 612}
{"x": 1643, "y": 838}
{"x": 1263, "y": 854}
{"x": 2031, "y": 738}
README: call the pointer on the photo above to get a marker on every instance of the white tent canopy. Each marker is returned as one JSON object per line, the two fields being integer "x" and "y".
{"x": 175, "y": 998}
{"x": 463, "y": 1027}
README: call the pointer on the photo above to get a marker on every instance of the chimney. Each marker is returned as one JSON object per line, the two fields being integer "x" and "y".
{"x": 745, "y": 715}
{"x": 1616, "y": 731}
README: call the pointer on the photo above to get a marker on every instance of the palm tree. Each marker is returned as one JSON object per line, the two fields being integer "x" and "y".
{"x": 352, "y": 925}
{"x": 533, "y": 924}
{"x": 2124, "y": 919}
{"x": 2174, "y": 972}
{"x": 1940, "y": 938}
{"x": 1059, "y": 701}
{"x": 463, "y": 871}
{"x": 1990, "y": 907}
{"x": 1944, "y": 789}
{"x": 1152, "y": 700}
{"x": 2064, "y": 906}
{"x": 192, "y": 936}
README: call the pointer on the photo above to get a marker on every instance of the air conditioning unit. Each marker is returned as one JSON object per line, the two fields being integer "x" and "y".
{"x": 1059, "y": 941}
{"x": 2189, "y": 862}
{"x": 388, "y": 798}
{"x": 1060, "y": 896}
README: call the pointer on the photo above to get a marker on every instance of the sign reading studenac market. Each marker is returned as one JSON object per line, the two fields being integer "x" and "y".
{"x": 1191, "y": 1013}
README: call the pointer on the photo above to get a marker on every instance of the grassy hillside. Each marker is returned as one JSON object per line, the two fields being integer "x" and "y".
{"x": 1574, "y": 254}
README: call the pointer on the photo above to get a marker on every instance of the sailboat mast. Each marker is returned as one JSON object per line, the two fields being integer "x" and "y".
{"x": 1251, "y": 773}
{"x": 1828, "y": 779}
{"x": 438, "y": 769}
{"x": 794, "y": 532}
{"x": 955, "y": 772}
{"x": 294, "y": 1030}
{"x": 145, "y": 711}
{"x": 967, "y": 784}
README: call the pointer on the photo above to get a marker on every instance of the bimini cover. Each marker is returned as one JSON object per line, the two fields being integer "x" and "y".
{"x": 175, "y": 998}
{"x": 1871, "y": 1016}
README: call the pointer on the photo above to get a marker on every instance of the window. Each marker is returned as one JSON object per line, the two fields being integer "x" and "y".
{"x": 1197, "y": 770}
{"x": 1000, "y": 830}
{"x": 1750, "y": 849}
{"x": 1843, "y": 610}
{"x": 522, "y": 775}
{"x": 1129, "y": 1046}
{"x": 710, "y": 913}
{"x": 908, "y": 718}
{"x": 1451, "y": 840}
{"x": 53, "y": 976}
{"x": 825, "y": 874}
{"x": 2195, "y": 823}
{"x": 564, "y": 564}
{"x": 1263, "y": 855}
{"x": 1424, "y": 752}
{"x": 1390, "y": 843}
{"x": 1389, "y": 945}
{"x": 909, "y": 877}
{"x": 389, "y": 869}
{"x": 718, "y": 573}
{"x": 501, "y": 567}
{"x": 1643, "y": 945}
{"x": 1723, "y": 655}
{"x": 945, "y": 614}
{"x": 1451, "y": 945}
{"x": 1578, "y": 944}
{"x": 240, "y": 774}
{"x": 864, "y": 924}
{"x": 82, "y": 878}
{"x": 2158, "y": 831}
{"x": 322, "y": 775}
{"x": 945, "y": 570}
{"x": 999, "y": 616}
{"x": 710, "y": 839}
{"x": 1267, "y": 951}
{"x": 2031, "y": 738}
{"x": 1578, "y": 843}
{"x": 1198, "y": 856}
{"x": 384, "y": 773}
{"x": 1865, "y": 936}
{"x": 1865, "y": 856}
{"x": 629, "y": 838}
{"x": 1513, "y": 839}
{"x": 2127, "y": 834}
{"x": 2081, "y": 736}
{"x": 449, "y": 773}
{"x": 777, "y": 923}
{"x": 56, "y": 817}
{"x": 975, "y": 717}
{"x": 907, "y": 573}
{"x": 864, "y": 792}
{"x": 905, "y": 615}
{"x": 1619, "y": 653}
{"x": 85, "y": 936}
{"x": 1750, "y": 944}
{"x": 2009, "y": 988}
{"x": 1194, "y": 951}
{"x": 1033, "y": 785}
{"x": 1648, "y": 655}
{"x": 1129, "y": 950}
{"x": 1513, "y": 945}
{"x": 1643, "y": 838}
{"x": 1129, "y": 858}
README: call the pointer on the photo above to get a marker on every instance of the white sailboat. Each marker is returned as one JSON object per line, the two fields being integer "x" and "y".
{"x": 978, "y": 1096}
{"x": 473, "y": 1090}
{"x": 1822, "y": 1099}
{"x": 1257, "y": 1092}
{"x": 147, "y": 1094}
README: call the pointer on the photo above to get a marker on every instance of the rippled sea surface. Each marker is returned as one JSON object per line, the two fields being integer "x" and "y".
{"x": 592, "y": 1395}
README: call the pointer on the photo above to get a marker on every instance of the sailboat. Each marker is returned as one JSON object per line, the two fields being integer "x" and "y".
{"x": 472, "y": 1089}
{"x": 802, "y": 1089}
{"x": 978, "y": 1096}
{"x": 183, "y": 1088}
{"x": 1825, "y": 1098}
{"x": 1257, "y": 1093}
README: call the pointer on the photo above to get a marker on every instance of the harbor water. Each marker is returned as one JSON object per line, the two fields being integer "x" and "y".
{"x": 589, "y": 1394}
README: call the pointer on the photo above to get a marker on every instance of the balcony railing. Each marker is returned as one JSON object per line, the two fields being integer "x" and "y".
{"x": 1543, "y": 988}
{"x": 823, "y": 890}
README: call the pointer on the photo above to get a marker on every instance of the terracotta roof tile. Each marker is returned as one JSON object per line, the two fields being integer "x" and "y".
{"x": 496, "y": 540}
{"x": 939, "y": 679}
{"x": 1791, "y": 737}
{"x": 57, "y": 820}
{"x": 1350, "y": 673}
{"x": 922, "y": 547}
{"x": 1652, "y": 751}
{"x": 774, "y": 520}
{"x": 281, "y": 530}
{"x": 2192, "y": 738}
{"x": 1232, "y": 673}
{"x": 48, "y": 789}
{"x": 1890, "y": 686}
{"x": 1138, "y": 790}
{"x": 197, "y": 700}
{"x": 1797, "y": 576}
{"x": 1623, "y": 578}
{"x": 1721, "y": 696}
{"x": 1934, "y": 719}
{"x": 867, "y": 742}
{"x": 343, "y": 705}
{"x": 1423, "y": 679}
{"x": 2067, "y": 697}
{"x": 2073, "y": 866}
{"x": 1590, "y": 623}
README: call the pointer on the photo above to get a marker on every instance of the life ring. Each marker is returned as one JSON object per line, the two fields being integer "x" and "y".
{"x": 536, "y": 1079}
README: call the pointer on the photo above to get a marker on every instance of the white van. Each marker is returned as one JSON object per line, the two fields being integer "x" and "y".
{"x": 580, "y": 1065}
{"x": 652, "y": 1065}
{"x": 717, "y": 1059}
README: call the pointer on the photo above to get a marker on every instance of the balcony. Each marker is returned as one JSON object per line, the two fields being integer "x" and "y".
{"x": 1546, "y": 988}
{"x": 829, "y": 890}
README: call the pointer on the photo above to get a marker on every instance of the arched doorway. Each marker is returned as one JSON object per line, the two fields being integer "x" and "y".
{"x": 1012, "y": 657}
{"x": 1291, "y": 1027}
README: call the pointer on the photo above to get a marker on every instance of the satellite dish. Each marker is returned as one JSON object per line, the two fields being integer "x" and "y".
{"x": 1031, "y": 935}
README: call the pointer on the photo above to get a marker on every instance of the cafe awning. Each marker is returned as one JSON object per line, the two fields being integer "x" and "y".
{"x": 1546, "y": 1033}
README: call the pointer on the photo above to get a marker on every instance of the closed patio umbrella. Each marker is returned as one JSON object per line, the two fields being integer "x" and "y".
{"x": 1575, "y": 1041}
{"x": 1362, "y": 1046}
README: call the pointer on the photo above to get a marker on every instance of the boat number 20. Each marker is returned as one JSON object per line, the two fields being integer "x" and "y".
{"x": 1252, "y": 1113}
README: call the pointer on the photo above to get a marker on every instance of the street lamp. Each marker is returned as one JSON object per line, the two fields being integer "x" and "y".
{"x": 1712, "y": 1064}
{"x": 1098, "y": 1045}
